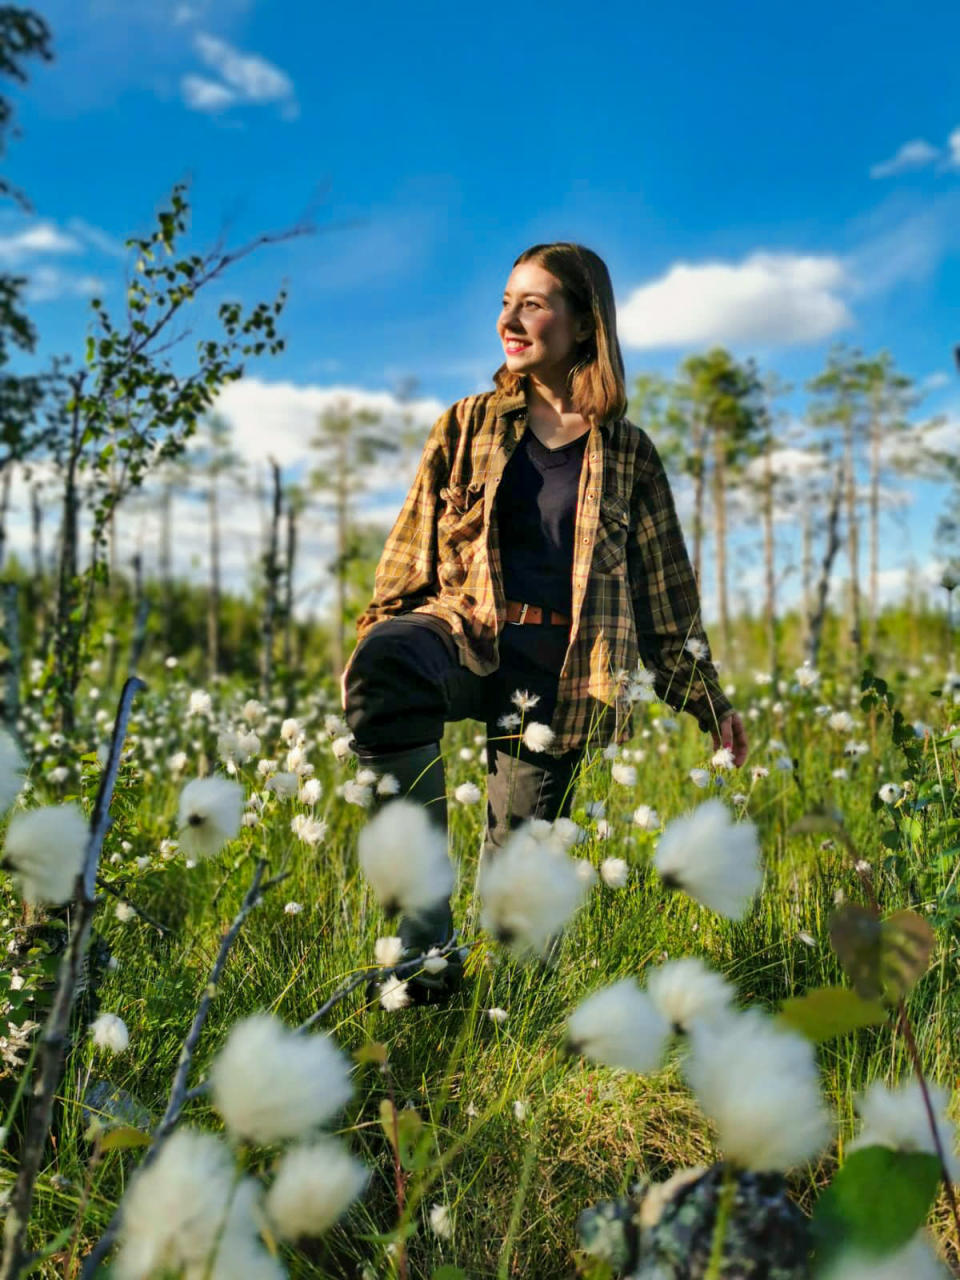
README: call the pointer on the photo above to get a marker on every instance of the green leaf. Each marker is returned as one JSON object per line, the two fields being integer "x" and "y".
{"x": 123, "y": 1138}
{"x": 448, "y": 1272}
{"x": 402, "y": 1129}
{"x": 830, "y": 1011}
{"x": 882, "y": 958}
{"x": 876, "y": 1202}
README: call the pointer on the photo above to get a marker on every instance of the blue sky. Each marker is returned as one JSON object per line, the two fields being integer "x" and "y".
{"x": 756, "y": 175}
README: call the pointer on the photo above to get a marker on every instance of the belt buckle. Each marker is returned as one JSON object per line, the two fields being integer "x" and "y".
{"x": 523, "y": 613}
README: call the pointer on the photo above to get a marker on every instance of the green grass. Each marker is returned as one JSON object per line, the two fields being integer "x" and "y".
{"x": 514, "y": 1186}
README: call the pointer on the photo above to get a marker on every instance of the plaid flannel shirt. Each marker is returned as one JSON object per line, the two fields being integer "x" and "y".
{"x": 634, "y": 593}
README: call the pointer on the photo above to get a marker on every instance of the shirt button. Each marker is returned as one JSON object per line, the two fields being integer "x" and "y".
{"x": 585, "y": 538}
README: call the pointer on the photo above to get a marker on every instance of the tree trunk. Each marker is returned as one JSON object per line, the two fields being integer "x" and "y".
{"x": 806, "y": 568}
{"x": 815, "y": 630}
{"x": 4, "y": 509}
{"x": 339, "y": 621}
{"x": 12, "y": 659}
{"x": 66, "y": 639}
{"x": 271, "y": 573}
{"x": 213, "y": 597}
{"x": 166, "y": 558}
{"x": 874, "y": 527}
{"x": 720, "y": 533}
{"x": 769, "y": 565}
{"x": 698, "y": 488}
{"x": 289, "y": 558}
{"x": 36, "y": 592}
{"x": 853, "y": 538}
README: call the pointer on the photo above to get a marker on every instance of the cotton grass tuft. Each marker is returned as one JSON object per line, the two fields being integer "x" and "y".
{"x": 11, "y": 769}
{"x": 404, "y": 856}
{"x": 898, "y": 1118}
{"x": 686, "y": 991}
{"x": 529, "y": 891}
{"x": 759, "y": 1085}
{"x": 270, "y": 1084}
{"x": 314, "y": 1186}
{"x": 619, "y": 1026}
{"x": 211, "y": 810}
{"x": 45, "y": 849}
{"x": 712, "y": 858}
{"x": 174, "y": 1210}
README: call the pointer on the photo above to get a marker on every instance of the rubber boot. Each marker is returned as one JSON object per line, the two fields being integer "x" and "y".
{"x": 420, "y": 773}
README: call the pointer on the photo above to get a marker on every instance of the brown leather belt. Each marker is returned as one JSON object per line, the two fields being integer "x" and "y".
{"x": 518, "y": 614}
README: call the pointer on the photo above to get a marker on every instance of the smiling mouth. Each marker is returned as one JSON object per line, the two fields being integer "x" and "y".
{"x": 517, "y": 344}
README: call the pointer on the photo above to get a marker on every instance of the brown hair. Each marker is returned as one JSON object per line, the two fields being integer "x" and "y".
{"x": 597, "y": 381}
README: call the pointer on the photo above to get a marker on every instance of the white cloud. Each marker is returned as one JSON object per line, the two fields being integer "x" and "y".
{"x": 42, "y": 237}
{"x": 934, "y": 381}
{"x": 787, "y": 464}
{"x": 201, "y": 94}
{"x": 919, "y": 445}
{"x": 769, "y": 298}
{"x": 47, "y": 284}
{"x": 906, "y": 250}
{"x": 244, "y": 77}
{"x": 279, "y": 418}
{"x": 952, "y": 160}
{"x": 98, "y": 238}
{"x": 916, "y": 154}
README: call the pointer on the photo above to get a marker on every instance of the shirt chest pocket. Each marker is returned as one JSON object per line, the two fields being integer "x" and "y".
{"x": 613, "y": 525}
{"x": 461, "y": 513}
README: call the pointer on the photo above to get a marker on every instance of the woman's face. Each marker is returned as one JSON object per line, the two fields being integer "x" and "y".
{"x": 536, "y": 325}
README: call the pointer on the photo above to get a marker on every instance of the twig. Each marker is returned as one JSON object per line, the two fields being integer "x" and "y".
{"x": 406, "y": 969}
{"x": 144, "y": 915}
{"x": 179, "y": 1095}
{"x": 54, "y": 1038}
{"x": 914, "y": 1052}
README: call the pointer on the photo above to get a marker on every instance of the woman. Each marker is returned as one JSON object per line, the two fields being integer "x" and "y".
{"x": 538, "y": 552}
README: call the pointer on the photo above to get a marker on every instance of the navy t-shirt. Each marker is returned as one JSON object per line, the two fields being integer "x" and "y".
{"x": 536, "y": 510}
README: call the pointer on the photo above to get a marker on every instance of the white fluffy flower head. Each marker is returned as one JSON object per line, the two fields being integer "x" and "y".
{"x": 646, "y": 818}
{"x": 619, "y": 1026}
{"x": 404, "y": 856}
{"x": 916, "y": 1261}
{"x": 537, "y": 736}
{"x": 529, "y": 892}
{"x": 110, "y": 1032}
{"x": 759, "y": 1085}
{"x": 45, "y": 849}
{"x": 686, "y": 990}
{"x": 11, "y": 769}
{"x": 211, "y": 810}
{"x": 394, "y": 994}
{"x": 173, "y": 1211}
{"x": 897, "y": 1118}
{"x": 713, "y": 859}
{"x": 270, "y": 1083}
{"x": 314, "y": 1185}
{"x": 614, "y": 872}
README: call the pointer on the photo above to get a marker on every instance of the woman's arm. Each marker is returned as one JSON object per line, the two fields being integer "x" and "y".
{"x": 666, "y": 602}
{"x": 406, "y": 572}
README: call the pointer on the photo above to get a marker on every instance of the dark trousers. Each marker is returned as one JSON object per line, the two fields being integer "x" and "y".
{"x": 405, "y": 681}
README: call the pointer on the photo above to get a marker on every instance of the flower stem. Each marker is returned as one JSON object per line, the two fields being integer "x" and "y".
{"x": 728, "y": 1189}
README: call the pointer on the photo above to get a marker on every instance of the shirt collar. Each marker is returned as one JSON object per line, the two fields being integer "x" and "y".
{"x": 510, "y": 403}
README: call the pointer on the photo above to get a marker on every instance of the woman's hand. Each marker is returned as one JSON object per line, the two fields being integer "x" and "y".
{"x": 734, "y": 736}
{"x": 343, "y": 685}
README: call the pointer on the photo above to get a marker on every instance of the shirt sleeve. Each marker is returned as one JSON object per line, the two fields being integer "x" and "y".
{"x": 406, "y": 572}
{"x": 666, "y": 602}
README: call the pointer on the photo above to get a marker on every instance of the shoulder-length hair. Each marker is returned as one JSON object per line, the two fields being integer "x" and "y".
{"x": 597, "y": 382}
